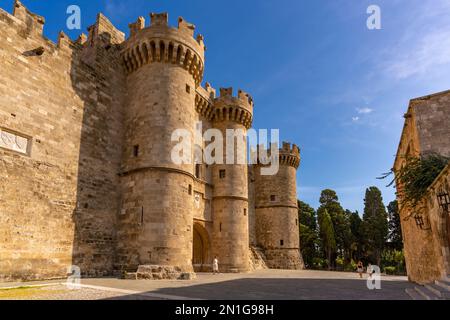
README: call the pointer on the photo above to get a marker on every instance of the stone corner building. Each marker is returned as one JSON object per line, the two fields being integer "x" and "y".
{"x": 426, "y": 232}
{"x": 86, "y": 177}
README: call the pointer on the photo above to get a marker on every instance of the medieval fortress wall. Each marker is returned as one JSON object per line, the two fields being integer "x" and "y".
{"x": 86, "y": 177}
{"x": 426, "y": 131}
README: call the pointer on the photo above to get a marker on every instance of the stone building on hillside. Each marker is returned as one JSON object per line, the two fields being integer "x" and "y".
{"x": 426, "y": 232}
{"x": 86, "y": 176}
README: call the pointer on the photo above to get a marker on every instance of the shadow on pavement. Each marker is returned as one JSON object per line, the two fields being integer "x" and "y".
{"x": 286, "y": 289}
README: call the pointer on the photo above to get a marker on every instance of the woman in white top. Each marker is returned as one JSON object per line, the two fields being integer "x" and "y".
{"x": 215, "y": 265}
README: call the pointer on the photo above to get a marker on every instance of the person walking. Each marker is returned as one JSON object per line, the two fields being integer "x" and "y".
{"x": 215, "y": 265}
{"x": 360, "y": 268}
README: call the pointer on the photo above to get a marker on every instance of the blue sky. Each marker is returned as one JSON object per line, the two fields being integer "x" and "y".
{"x": 315, "y": 71}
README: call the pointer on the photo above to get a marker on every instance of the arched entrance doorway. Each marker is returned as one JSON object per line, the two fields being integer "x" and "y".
{"x": 200, "y": 248}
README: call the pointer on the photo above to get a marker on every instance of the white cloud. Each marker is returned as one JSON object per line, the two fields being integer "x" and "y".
{"x": 364, "y": 110}
{"x": 355, "y": 119}
{"x": 423, "y": 49}
{"x": 431, "y": 52}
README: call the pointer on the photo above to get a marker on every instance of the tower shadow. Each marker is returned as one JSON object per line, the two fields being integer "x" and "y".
{"x": 99, "y": 82}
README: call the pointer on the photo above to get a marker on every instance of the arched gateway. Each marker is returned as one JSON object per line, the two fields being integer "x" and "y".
{"x": 201, "y": 259}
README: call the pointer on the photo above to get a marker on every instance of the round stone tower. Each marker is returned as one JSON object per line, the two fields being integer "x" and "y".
{"x": 164, "y": 66}
{"x": 230, "y": 237}
{"x": 276, "y": 211}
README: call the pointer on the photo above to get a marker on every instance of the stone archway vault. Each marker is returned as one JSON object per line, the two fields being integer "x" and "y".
{"x": 201, "y": 249}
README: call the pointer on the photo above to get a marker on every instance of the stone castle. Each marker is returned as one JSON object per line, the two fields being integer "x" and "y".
{"x": 86, "y": 177}
{"x": 426, "y": 228}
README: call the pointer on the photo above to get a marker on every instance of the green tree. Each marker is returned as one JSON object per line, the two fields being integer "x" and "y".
{"x": 341, "y": 223}
{"x": 327, "y": 235}
{"x": 375, "y": 224}
{"x": 307, "y": 215}
{"x": 395, "y": 230}
{"x": 328, "y": 196}
{"x": 308, "y": 233}
{"x": 357, "y": 238}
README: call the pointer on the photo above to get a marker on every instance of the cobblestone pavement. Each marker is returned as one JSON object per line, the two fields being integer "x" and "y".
{"x": 56, "y": 292}
{"x": 259, "y": 285}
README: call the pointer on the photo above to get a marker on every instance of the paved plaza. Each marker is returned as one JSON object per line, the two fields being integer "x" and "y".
{"x": 259, "y": 285}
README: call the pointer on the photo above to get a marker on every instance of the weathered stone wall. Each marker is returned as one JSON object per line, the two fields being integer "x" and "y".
{"x": 55, "y": 200}
{"x": 426, "y": 130}
{"x": 251, "y": 206}
{"x": 440, "y": 220}
{"x": 433, "y": 123}
{"x": 99, "y": 79}
{"x": 427, "y": 250}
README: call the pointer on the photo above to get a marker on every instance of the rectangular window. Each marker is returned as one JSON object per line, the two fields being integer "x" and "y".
{"x": 245, "y": 212}
{"x": 197, "y": 170}
{"x": 190, "y": 189}
{"x": 136, "y": 151}
{"x": 14, "y": 141}
{"x": 281, "y": 242}
{"x": 273, "y": 198}
{"x": 188, "y": 89}
{"x": 222, "y": 174}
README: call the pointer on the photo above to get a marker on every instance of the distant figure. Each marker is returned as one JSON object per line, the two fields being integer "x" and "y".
{"x": 369, "y": 270}
{"x": 215, "y": 265}
{"x": 360, "y": 268}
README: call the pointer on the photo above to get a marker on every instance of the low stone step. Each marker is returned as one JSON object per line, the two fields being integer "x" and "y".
{"x": 444, "y": 288}
{"x": 443, "y": 284}
{"x": 130, "y": 276}
{"x": 413, "y": 294}
{"x": 436, "y": 290}
{"x": 425, "y": 293}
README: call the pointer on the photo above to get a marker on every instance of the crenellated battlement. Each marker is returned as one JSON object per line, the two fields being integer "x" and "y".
{"x": 164, "y": 44}
{"x": 204, "y": 101}
{"x": 229, "y": 107}
{"x": 186, "y": 27}
{"x": 245, "y": 98}
{"x": 287, "y": 148}
{"x": 103, "y": 32}
{"x": 34, "y": 22}
{"x": 135, "y": 27}
{"x": 288, "y": 154}
{"x": 159, "y": 19}
{"x": 30, "y": 25}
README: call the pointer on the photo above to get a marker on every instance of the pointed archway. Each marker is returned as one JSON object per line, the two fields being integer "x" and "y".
{"x": 200, "y": 249}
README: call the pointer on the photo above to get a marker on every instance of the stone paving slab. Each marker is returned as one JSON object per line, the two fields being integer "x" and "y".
{"x": 259, "y": 285}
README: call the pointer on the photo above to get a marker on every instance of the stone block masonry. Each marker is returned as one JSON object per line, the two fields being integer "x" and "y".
{"x": 86, "y": 177}
{"x": 426, "y": 131}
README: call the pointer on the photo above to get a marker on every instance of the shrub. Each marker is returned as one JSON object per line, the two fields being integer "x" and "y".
{"x": 340, "y": 263}
{"x": 350, "y": 267}
{"x": 417, "y": 176}
{"x": 390, "y": 270}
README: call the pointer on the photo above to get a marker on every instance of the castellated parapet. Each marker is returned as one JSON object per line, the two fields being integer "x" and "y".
{"x": 290, "y": 155}
{"x": 276, "y": 210}
{"x": 87, "y": 177}
{"x": 162, "y": 43}
{"x": 238, "y": 109}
